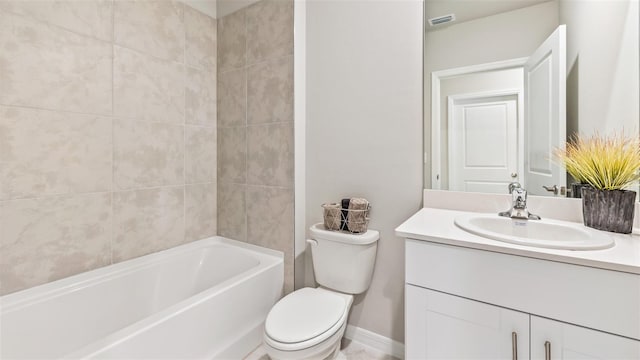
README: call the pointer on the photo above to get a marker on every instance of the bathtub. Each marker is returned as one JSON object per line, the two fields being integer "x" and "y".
{"x": 203, "y": 300}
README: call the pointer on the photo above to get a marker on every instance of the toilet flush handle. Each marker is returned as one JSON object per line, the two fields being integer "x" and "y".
{"x": 312, "y": 242}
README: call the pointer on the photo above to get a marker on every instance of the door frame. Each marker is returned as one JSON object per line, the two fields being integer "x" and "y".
{"x": 436, "y": 78}
{"x": 519, "y": 94}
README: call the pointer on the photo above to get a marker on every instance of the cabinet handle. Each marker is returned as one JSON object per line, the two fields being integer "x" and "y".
{"x": 547, "y": 350}
{"x": 514, "y": 345}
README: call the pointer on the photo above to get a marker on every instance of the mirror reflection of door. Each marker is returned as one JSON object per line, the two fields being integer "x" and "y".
{"x": 601, "y": 80}
{"x": 545, "y": 113}
{"x": 481, "y": 146}
{"x": 483, "y": 142}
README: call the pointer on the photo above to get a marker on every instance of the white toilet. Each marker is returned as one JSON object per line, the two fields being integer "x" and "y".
{"x": 309, "y": 322}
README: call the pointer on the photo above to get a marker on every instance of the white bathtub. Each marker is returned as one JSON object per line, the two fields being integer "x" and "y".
{"x": 203, "y": 300}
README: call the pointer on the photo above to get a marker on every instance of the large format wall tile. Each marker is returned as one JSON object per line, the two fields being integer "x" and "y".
{"x": 232, "y": 211}
{"x": 152, "y": 27}
{"x": 147, "y": 154}
{"x": 42, "y": 240}
{"x": 46, "y": 67}
{"x": 200, "y": 154}
{"x": 200, "y": 98}
{"x": 270, "y": 154}
{"x": 92, "y": 18}
{"x": 94, "y": 150}
{"x": 146, "y": 88}
{"x": 232, "y": 98}
{"x": 269, "y": 30}
{"x": 270, "y": 91}
{"x": 232, "y": 155}
{"x": 201, "y": 34}
{"x": 45, "y": 152}
{"x": 200, "y": 211}
{"x": 232, "y": 41}
{"x": 146, "y": 221}
{"x": 270, "y": 222}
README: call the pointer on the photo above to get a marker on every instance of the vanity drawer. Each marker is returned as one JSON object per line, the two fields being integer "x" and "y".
{"x": 600, "y": 299}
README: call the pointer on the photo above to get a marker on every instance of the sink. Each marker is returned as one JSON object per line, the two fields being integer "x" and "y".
{"x": 545, "y": 233}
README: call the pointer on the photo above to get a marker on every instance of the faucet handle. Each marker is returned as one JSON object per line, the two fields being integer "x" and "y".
{"x": 514, "y": 185}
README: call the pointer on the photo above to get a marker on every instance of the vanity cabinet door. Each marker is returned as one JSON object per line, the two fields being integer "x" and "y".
{"x": 569, "y": 342}
{"x": 443, "y": 326}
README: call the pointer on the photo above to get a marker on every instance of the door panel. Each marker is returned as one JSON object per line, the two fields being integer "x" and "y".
{"x": 483, "y": 143}
{"x": 545, "y": 113}
{"x": 570, "y": 342}
{"x": 443, "y": 326}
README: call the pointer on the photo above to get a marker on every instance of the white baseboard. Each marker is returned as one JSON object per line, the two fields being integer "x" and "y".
{"x": 375, "y": 341}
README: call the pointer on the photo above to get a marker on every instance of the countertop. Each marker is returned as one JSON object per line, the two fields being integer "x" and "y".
{"x": 437, "y": 225}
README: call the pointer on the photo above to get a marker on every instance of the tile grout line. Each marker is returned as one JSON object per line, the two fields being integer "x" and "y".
{"x": 154, "y": 187}
{"x": 261, "y": 61}
{"x": 184, "y": 128}
{"x": 246, "y": 123}
{"x": 106, "y": 116}
{"x": 113, "y": 128}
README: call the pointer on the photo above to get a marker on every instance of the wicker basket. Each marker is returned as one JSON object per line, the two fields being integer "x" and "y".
{"x": 353, "y": 221}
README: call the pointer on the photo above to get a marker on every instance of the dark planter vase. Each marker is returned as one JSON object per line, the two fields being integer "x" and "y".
{"x": 608, "y": 210}
{"x": 576, "y": 189}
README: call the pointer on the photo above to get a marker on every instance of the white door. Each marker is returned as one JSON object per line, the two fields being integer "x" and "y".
{"x": 570, "y": 342}
{"x": 545, "y": 113}
{"x": 483, "y": 143}
{"x": 443, "y": 326}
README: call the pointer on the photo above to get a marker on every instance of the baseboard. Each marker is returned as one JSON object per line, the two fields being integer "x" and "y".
{"x": 375, "y": 341}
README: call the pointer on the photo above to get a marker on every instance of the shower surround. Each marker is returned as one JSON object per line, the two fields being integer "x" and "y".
{"x": 255, "y": 127}
{"x": 108, "y": 134}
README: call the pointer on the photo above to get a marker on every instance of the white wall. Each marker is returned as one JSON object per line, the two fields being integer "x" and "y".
{"x": 602, "y": 65}
{"x": 364, "y": 131}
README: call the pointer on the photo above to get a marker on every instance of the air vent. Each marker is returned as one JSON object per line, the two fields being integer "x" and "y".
{"x": 442, "y": 19}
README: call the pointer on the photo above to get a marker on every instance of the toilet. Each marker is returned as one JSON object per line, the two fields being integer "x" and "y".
{"x": 309, "y": 323}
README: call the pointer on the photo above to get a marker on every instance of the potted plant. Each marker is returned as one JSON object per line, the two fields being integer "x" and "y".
{"x": 609, "y": 165}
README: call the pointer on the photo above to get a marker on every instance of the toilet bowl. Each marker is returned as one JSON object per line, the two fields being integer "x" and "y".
{"x": 309, "y": 323}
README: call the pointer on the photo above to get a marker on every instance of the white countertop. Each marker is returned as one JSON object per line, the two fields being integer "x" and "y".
{"x": 437, "y": 225}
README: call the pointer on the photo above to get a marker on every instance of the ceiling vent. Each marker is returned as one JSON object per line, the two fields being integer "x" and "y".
{"x": 442, "y": 20}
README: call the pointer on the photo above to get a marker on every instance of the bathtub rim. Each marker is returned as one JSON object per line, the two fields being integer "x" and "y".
{"x": 94, "y": 349}
{"x": 33, "y": 295}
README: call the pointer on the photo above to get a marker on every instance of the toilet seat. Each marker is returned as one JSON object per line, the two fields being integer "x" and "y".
{"x": 305, "y": 318}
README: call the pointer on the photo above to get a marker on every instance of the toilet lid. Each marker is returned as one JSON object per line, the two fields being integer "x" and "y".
{"x": 304, "y": 314}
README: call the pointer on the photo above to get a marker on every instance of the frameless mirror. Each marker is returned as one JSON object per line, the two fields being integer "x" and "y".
{"x": 506, "y": 82}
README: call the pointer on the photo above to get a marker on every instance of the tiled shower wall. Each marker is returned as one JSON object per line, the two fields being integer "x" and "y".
{"x": 107, "y": 134}
{"x": 255, "y": 127}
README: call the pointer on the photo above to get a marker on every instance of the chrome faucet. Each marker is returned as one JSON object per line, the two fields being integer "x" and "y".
{"x": 518, "y": 204}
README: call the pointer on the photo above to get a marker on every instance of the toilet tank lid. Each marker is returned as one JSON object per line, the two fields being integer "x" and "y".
{"x": 318, "y": 231}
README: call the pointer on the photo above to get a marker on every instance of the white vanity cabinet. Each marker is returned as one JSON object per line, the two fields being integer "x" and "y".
{"x": 466, "y": 303}
{"x": 552, "y": 339}
{"x": 443, "y": 326}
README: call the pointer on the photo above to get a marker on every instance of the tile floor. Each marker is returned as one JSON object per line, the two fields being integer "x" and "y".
{"x": 351, "y": 350}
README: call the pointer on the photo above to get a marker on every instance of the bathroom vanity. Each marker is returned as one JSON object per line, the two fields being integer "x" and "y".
{"x": 472, "y": 297}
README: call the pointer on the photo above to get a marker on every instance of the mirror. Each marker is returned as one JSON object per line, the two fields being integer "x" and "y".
{"x": 508, "y": 81}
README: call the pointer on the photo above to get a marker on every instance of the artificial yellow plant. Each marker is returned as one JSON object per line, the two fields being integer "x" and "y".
{"x": 606, "y": 163}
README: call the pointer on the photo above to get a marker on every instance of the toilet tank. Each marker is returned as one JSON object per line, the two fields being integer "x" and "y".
{"x": 343, "y": 261}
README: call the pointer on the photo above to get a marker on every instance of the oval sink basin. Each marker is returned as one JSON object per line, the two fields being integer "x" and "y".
{"x": 552, "y": 234}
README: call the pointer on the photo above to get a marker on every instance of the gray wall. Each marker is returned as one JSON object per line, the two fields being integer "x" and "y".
{"x": 364, "y": 132}
{"x": 602, "y": 65}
